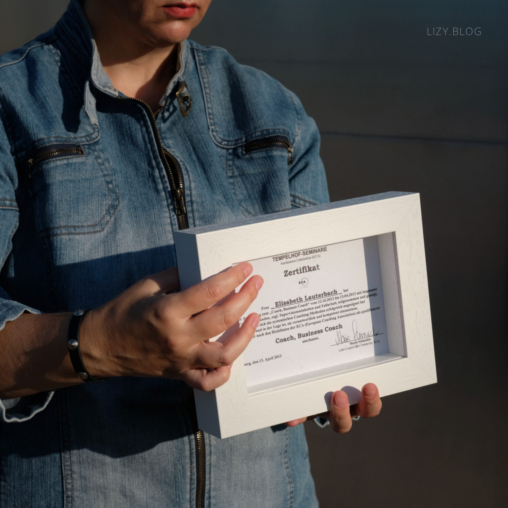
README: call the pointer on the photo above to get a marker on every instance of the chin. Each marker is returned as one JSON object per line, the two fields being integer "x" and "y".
{"x": 172, "y": 33}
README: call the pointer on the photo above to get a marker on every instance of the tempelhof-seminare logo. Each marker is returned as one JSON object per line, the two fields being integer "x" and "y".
{"x": 454, "y": 31}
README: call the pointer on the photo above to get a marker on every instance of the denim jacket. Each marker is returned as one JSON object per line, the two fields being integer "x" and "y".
{"x": 92, "y": 186}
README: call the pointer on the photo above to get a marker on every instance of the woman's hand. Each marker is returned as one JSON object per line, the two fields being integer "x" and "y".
{"x": 149, "y": 330}
{"x": 341, "y": 412}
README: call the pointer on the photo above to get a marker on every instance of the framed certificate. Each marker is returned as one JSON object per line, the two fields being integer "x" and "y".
{"x": 345, "y": 302}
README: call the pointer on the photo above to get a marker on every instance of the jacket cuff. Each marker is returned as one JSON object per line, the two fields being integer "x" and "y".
{"x": 22, "y": 408}
{"x": 10, "y": 310}
{"x": 321, "y": 422}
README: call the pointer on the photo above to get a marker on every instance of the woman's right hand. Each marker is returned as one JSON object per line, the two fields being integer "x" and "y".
{"x": 149, "y": 330}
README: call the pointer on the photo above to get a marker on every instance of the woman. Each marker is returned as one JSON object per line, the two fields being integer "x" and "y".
{"x": 101, "y": 159}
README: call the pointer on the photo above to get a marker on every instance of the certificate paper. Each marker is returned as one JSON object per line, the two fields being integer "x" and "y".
{"x": 319, "y": 307}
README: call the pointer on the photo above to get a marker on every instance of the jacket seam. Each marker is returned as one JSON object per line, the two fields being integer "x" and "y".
{"x": 208, "y": 472}
{"x": 65, "y": 451}
{"x": 216, "y": 138}
{"x": 190, "y": 431}
{"x": 9, "y": 129}
{"x": 55, "y": 159}
{"x": 86, "y": 138}
{"x": 185, "y": 57}
{"x": 290, "y": 97}
{"x": 9, "y": 132}
{"x": 62, "y": 67}
{"x": 245, "y": 211}
{"x": 288, "y": 469}
{"x": 35, "y": 46}
{"x": 158, "y": 166}
{"x": 302, "y": 199}
{"x": 51, "y": 285}
{"x": 113, "y": 202}
{"x": 12, "y": 232}
{"x": 298, "y": 130}
{"x": 204, "y": 80}
{"x": 201, "y": 47}
{"x": 206, "y": 92}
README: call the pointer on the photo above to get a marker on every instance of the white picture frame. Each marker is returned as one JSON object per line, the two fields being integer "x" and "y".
{"x": 395, "y": 219}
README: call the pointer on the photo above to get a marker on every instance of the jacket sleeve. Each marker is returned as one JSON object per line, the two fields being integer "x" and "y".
{"x": 20, "y": 409}
{"x": 307, "y": 178}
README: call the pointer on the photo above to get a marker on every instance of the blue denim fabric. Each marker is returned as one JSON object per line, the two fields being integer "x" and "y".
{"x": 76, "y": 230}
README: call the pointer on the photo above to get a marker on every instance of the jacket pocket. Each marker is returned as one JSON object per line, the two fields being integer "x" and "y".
{"x": 70, "y": 189}
{"x": 270, "y": 143}
{"x": 258, "y": 172}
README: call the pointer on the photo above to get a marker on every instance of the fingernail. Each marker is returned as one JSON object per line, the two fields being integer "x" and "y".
{"x": 255, "y": 321}
{"x": 247, "y": 269}
{"x": 370, "y": 391}
{"x": 340, "y": 400}
{"x": 258, "y": 282}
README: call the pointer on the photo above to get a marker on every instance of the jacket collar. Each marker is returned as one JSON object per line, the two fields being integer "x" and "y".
{"x": 75, "y": 32}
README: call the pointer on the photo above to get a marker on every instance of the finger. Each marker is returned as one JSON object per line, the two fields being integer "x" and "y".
{"x": 206, "y": 380}
{"x": 340, "y": 419}
{"x": 217, "y": 354}
{"x": 294, "y": 423}
{"x": 219, "y": 318}
{"x": 203, "y": 295}
{"x": 370, "y": 403}
{"x": 166, "y": 281}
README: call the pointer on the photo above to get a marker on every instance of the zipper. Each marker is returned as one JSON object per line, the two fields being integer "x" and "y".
{"x": 175, "y": 177}
{"x": 171, "y": 166}
{"x": 200, "y": 461}
{"x": 178, "y": 191}
{"x": 55, "y": 152}
{"x": 270, "y": 142}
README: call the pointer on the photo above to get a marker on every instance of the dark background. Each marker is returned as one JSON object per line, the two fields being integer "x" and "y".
{"x": 399, "y": 110}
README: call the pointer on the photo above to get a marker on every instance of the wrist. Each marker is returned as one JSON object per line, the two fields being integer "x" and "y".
{"x": 93, "y": 344}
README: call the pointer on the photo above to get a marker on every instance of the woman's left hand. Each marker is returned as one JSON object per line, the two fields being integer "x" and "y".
{"x": 341, "y": 412}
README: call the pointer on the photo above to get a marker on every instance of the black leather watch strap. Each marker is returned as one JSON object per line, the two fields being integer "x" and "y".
{"x": 74, "y": 349}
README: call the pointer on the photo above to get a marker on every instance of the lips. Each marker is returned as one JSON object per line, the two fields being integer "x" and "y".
{"x": 181, "y": 10}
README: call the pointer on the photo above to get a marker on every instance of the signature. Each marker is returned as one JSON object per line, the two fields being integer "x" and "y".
{"x": 343, "y": 338}
{"x": 359, "y": 335}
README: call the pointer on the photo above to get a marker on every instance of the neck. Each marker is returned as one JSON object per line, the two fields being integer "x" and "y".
{"x": 136, "y": 68}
